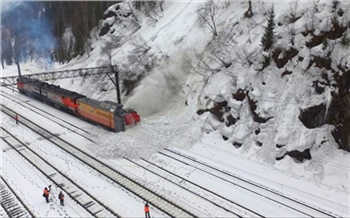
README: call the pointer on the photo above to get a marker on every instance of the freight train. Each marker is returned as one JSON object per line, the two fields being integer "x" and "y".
{"x": 105, "y": 113}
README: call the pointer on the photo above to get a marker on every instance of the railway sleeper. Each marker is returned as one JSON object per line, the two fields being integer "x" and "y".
{"x": 51, "y": 175}
{"x": 98, "y": 212}
{"x": 89, "y": 204}
{"x": 5, "y": 198}
{"x": 76, "y": 196}
{"x": 18, "y": 146}
{"x": 12, "y": 207}
{"x": 16, "y": 211}
{"x": 2, "y": 196}
{"x": 19, "y": 214}
{"x": 9, "y": 202}
{"x": 5, "y": 193}
{"x": 22, "y": 215}
{"x": 8, "y": 199}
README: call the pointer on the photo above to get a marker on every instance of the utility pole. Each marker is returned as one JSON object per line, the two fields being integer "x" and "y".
{"x": 116, "y": 76}
{"x": 19, "y": 69}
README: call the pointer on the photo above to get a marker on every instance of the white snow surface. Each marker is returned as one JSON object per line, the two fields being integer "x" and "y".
{"x": 167, "y": 99}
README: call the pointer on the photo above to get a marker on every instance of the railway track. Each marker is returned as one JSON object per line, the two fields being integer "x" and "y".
{"x": 250, "y": 186}
{"x": 11, "y": 203}
{"x": 76, "y": 192}
{"x": 171, "y": 207}
{"x": 232, "y": 208}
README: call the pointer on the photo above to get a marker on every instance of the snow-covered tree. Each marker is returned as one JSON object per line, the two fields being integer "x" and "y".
{"x": 207, "y": 16}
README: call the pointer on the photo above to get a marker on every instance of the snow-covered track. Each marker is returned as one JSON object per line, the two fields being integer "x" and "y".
{"x": 76, "y": 129}
{"x": 76, "y": 192}
{"x": 11, "y": 203}
{"x": 233, "y": 209}
{"x": 250, "y": 186}
{"x": 163, "y": 203}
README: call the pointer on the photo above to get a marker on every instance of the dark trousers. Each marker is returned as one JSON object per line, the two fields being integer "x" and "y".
{"x": 47, "y": 199}
{"x": 16, "y": 121}
{"x": 147, "y": 215}
{"x": 62, "y": 202}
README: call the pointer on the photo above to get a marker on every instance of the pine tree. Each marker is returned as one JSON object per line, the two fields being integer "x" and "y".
{"x": 269, "y": 35}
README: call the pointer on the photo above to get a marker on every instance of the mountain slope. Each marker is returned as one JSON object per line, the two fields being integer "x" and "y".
{"x": 294, "y": 105}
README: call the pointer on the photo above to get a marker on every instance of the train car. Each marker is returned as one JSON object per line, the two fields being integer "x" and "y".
{"x": 62, "y": 99}
{"x": 30, "y": 87}
{"x": 55, "y": 96}
{"x": 106, "y": 113}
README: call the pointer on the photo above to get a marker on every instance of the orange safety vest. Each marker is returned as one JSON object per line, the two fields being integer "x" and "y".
{"x": 62, "y": 197}
{"x": 146, "y": 209}
{"x": 46, "y": 192}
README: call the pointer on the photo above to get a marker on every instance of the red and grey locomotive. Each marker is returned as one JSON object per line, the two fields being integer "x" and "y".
{"x": 106, "y": 113}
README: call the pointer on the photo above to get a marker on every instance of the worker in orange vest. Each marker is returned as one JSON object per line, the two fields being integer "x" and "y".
{"x": 46, "y": 193}
{"x": 16, "y": 119}
{"x": 147, "y": 215}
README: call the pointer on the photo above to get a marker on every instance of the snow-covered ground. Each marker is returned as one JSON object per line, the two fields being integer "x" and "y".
{"x": 170, "y": 129}
{"x": 168, "y": 98}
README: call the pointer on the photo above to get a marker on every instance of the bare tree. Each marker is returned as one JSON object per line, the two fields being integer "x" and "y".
{"x": 217, "y": 54}
{"x": 155, "y": 16}
{"x": 189, "y": 67}
{"x": 156, "y": 12}
{"x": 220, "y": 49}
{"x": 290, "y": 17}
{"x": 207, "y": 16}
{"x": 139, "y": 59}
{"x": 249, "y": 35}
{"x": 310, "y": 16}
{"x": 140, "y": 46}
{"x": 244, "y": 56}
{"x": 340, "y": 62}
{"x": 292, "y": 33}
{"x": 112, "y": 43}
{"x": 133, "y": 12}
{"x": 293, "y": 11}
{"x": 331, "y": 46}
{"x": 149, "y": 8}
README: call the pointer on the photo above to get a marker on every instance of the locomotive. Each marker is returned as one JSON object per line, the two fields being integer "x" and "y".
{"x": 105, "y": 113}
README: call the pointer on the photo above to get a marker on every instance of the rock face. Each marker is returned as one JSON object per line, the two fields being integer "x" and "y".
{"x": 298, "y": 156}
{"x": 316, "y": 74}
{"x": 340, "y": 118}
{"x": 338, "y": 113}
{"x": 313, "y": 117}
